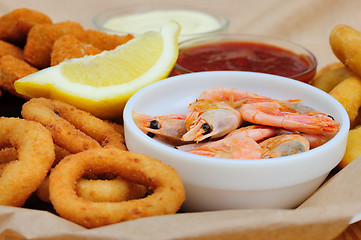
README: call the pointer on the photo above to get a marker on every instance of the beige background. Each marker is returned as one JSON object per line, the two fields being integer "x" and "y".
{"x": 306, "y": 22}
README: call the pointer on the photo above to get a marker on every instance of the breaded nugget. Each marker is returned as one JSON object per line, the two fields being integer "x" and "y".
{"x": 330, "y": 76}
{"x": 345, "y": 43}
{"x": 68, "y": 47}
{"x": 348, "y": 94}
{"x": 10, "y": 49}
{"x": 14, "y": 26}
{"x": 41, "y": 38}
{"x": 353, "y": 149}
{"x": 12, "y": 69}
{"x": 104, "y": 41}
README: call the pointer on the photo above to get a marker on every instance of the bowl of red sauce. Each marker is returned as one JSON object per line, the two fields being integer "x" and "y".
{"x": 251, "y": 53}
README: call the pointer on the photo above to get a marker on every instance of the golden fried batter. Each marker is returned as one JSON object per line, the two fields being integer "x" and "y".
{"x": 345, "y": 43}
{"x": 68, "y": 47}
{"x": 10, "y": 49}
{"x": 41, "y": 39}
{"x": 14, "y": 26}
{"x": 330, "y": 76}
{"x": 103, "y": 40}
{"x": 12, "y": 69}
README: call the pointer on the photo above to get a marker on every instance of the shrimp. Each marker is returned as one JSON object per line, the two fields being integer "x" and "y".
{"x": 208, "y": 118}
{"x": 291, "y": 116}
{"x": 232, "y": 96}
{"x": 315, "y": 140}
{"x": 239, "y": 144}
{"x": 284, "y": 145}
{"x": 170, "y": 128}
{"x": 230, "y": 147}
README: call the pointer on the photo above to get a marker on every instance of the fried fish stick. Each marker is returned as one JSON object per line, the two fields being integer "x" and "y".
{"x": 14, "y": 26}
{"x": 353, "y": 149}
{"x": 345, "y": 43}
{"x": 10, "y": 49}
{"x": 348, "y": 94}
{"x": 330, "y": 76}
{"x": 41, "y": 38}
{"x": 12, "y": 69}
{"x": 104, "y": 41}
{"x": 68, "y": 47}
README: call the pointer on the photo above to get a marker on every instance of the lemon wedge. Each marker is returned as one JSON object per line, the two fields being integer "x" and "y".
{"x": 103, "y": 83}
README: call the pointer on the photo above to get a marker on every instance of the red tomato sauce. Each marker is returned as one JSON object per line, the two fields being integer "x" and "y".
{"x": 243, "y": 56}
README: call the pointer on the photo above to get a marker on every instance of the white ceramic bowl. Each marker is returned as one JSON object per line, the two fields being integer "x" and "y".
{"x": 216, "y": 184}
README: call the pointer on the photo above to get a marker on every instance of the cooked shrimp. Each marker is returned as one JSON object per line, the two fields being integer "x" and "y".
{"x": 284, "y": 145}
{"x": 170, "y": 128}
{"x": 232, "y": 147}
{"x": 239, "y": 144}
{"x": 208, "y": 118}
{"x": 232, "y": 96}
{"x": 291, "y": 116}
{"x": 315, "y": 140}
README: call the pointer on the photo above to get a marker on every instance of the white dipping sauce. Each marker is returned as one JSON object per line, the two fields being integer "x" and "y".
{"x": 191, "y": 22}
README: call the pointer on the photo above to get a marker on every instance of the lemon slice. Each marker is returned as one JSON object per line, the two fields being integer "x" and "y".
{"x": 102, "y": 84}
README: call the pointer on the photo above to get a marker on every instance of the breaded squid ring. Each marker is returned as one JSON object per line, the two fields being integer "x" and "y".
{"x": 35, "y": 156}
{"x": 99, "y": 190}
{"x": 73, "y": 129}
{"x": 167, "y": 188}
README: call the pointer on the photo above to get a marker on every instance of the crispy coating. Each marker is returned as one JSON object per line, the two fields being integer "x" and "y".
{"x": 167, "y": 195}
{"x": 14, "y": 26}
{"x": 35, "y": 151}
{"x": 345, "y": 43}
{"x": 67, "y": 123}
{"x": 41, "y": 38}
{"x": 353, "y": 149}
{"x": 104, "y": 41}
{"x": 100, "y": 190}
{"x": 10, "y": 49}
{"x": 12, "y": 69}
{"x": 348, "y": 94}
{"x": 330, "y": 76}
{"x": 68, "y": 47}
{"x": 114, "y": 190}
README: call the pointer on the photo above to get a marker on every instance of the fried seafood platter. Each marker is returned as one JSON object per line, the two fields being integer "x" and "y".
{"x": 65, "y": 156}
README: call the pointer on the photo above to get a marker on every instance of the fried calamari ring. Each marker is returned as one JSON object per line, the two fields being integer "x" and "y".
{"x": 100, "y": 190}
{"x": 72, "y": 129}
{"x": 167, "y": 188}
{"x": 35, "y": 154}
{"x": 113, "y": 190}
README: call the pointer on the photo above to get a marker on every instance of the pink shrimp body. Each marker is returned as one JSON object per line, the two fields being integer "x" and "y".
{"x": 291, "y": 116}
{"x": 239, "y": 144}
{"x": 233, "y": 95}
{"x": 231, "y": 148}
{"x": 208, "y": 118}
{"x": 170, "y": 128}
{"x": 284, "y": 145}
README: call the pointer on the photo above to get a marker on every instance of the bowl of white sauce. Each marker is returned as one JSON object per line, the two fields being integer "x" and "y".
{"x": 137, "y": 19}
